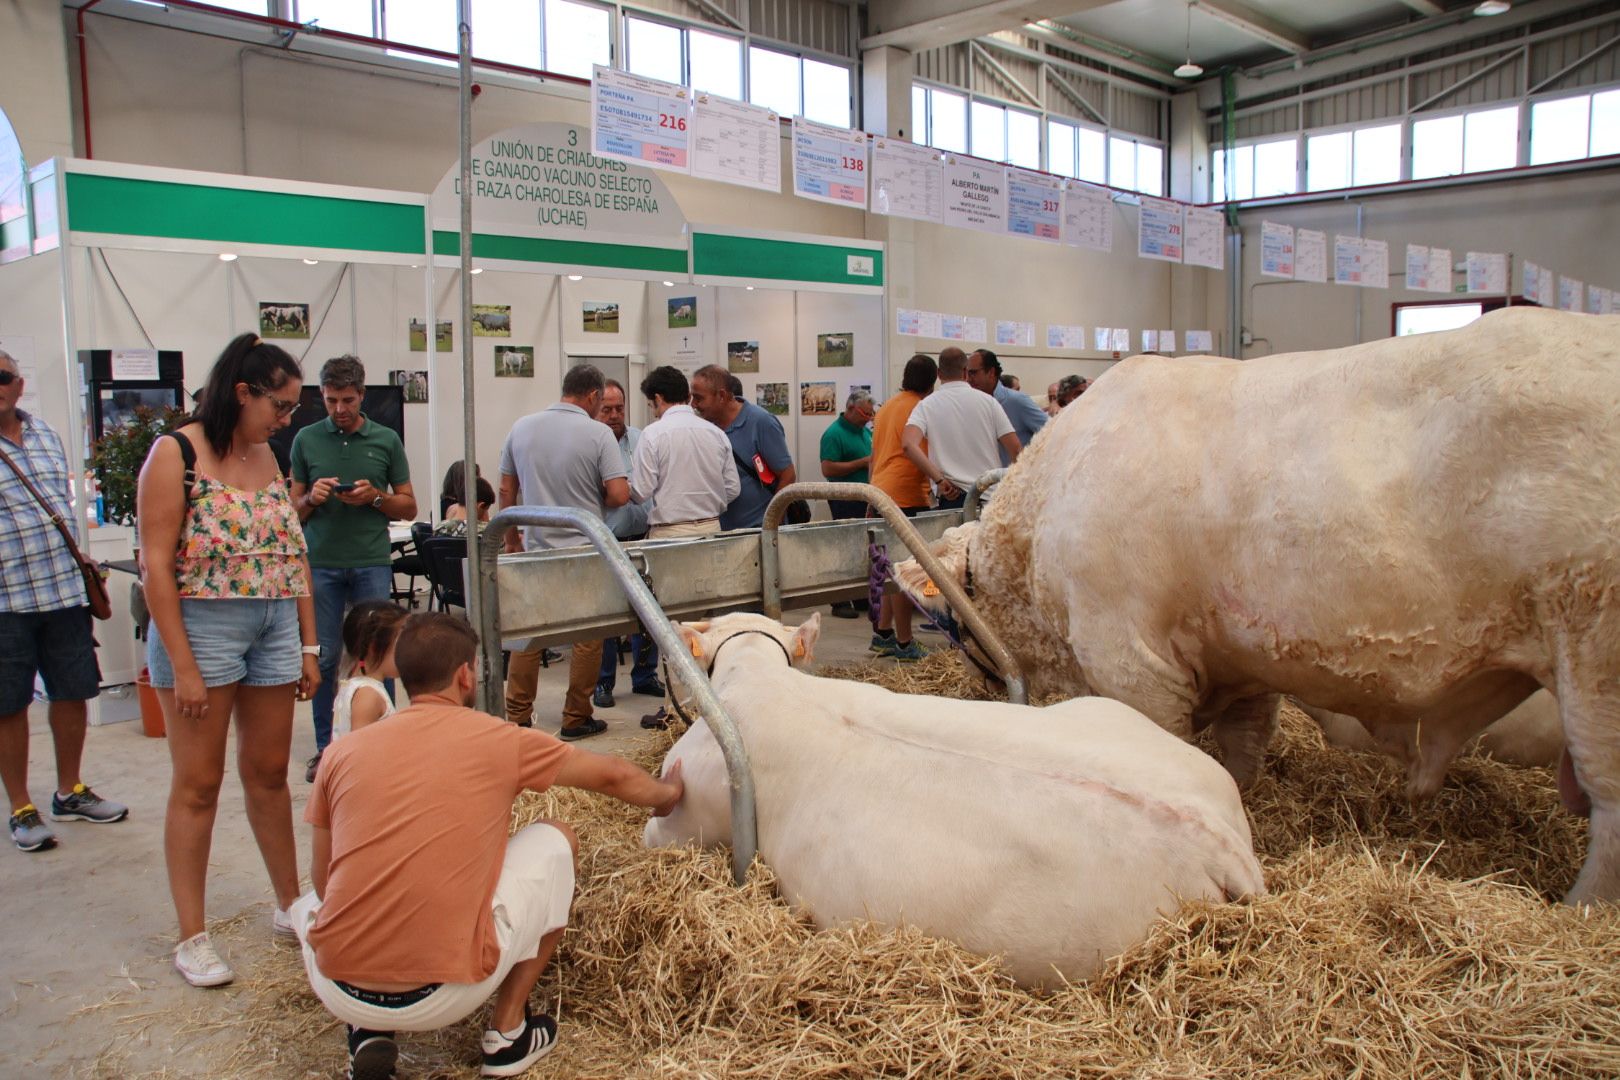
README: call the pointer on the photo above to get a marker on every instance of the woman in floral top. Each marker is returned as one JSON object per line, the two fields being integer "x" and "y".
{"x": 227, "y": 582}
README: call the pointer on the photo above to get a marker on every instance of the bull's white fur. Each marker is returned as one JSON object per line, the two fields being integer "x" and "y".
{"x": 1050, "y": 837}
{"x": 1417, "y": 531}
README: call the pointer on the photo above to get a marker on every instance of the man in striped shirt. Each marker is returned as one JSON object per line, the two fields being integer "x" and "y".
{"x": 44, "y": 623}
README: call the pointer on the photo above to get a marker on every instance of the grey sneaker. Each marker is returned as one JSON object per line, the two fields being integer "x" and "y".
{"x": 881, "y": 643}
{"x": 312, "y": 766}
{"x": 909, "y": 653}
{"x": 85, "y": 805}
{"x": 28, "y": 832}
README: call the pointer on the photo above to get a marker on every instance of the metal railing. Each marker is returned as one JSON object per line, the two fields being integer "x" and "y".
{"x": 975, "y": 495}
{"x": 770, "y": 567}
{"x": 744, "y": 834}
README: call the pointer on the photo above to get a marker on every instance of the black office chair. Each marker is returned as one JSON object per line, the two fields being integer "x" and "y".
{"x": 445, "y": 557}
{"x": 408, "y": 562}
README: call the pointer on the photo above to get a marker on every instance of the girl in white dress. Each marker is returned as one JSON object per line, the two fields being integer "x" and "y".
{"x": 369, "y": 633}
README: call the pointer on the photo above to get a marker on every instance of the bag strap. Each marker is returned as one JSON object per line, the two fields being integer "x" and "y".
{"x": 188, "y": 460}
{"x": 748, "y": 467}
{"x": 56, "y": 519}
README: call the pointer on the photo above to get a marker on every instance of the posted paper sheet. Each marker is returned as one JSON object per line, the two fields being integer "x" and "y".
{"x": 646, "y": 121}
{"x": 1160, "y": 234}
{"x": 1439, "y": 269}
{"x": 1570, "y": 292}
{"x": 1375, "y": 264}
{"x": 908, "y": 181}
{"x": 1065, "y": 337}
{"x": 1014, "y": 333}
{"x": 975, "y": 194}
{"x": 1205, "y": 238}
{"x": 1417, "y": 267}
{"x": 1531, "y": 289}
{"x": 1347, "y": 260}
{"x": 911, "y": 323}
{"x": 1034, "y": 205}
{"x": 1088, "y": 216}
{"x": 1200, "y": 341}
{"x": 1276, "y": 249}
{"x": 1487, "y": 272}
{"x": 829, "y": 164}
{"x": 736, "y": 143}
{"x": 1310, "y": 256}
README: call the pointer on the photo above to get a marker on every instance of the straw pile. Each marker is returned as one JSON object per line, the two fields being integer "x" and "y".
{"x": 1394, "y": 943}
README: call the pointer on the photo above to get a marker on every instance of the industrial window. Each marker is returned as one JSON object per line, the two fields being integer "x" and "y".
{"x": 1135, "y": 166}
{"x": 1566, "y": 129}
{"x": 826, "y": 93}
{"x": 1061, "y": 146}
{"x": 252, "y": 7}
{"x": 1259, "y": 170}
{"x": 919, "y": 114}
{"x": 578, "y": 37}
{"x": 432, "y": 26}
{"x": 773, "y": 80}
{"x": 1341, "y": 159}
{"x": 1471, "y": 142}
{"x": 653, "y": 49}
{"x": 1077, "y": 151}
{"x": 989, "y": 131}
{"x": 1023, "y": 139}
{"x": 716, "y": 63}
{"x": 1427, "y": 318}
{"x": 1377, "y": 155}
{"x": 1092, "y": 155}
{"x": 943, "y": 123}
{"x": 348, "y": 16}
{"x": 506, "y": 31}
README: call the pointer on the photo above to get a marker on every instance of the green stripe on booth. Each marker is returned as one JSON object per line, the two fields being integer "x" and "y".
{"x": 156, "y": 208}
{"x": 718, "y": 255}
{"x": 579, "y": 253}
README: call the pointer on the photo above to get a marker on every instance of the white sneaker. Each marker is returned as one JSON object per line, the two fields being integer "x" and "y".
{"x": 196, "y": 959}
{"x": 281, "y": 925}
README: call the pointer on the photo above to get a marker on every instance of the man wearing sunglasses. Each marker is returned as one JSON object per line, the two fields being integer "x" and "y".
{"x": 350, "y": 479}
{"x": 44, "y": 624}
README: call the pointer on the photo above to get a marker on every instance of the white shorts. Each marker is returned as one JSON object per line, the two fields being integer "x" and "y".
{"x": 531, "y": 900}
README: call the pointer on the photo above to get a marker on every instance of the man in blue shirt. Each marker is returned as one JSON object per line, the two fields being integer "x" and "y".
{"x": 764, "y": 464}
{"x": 1026, "y": 417}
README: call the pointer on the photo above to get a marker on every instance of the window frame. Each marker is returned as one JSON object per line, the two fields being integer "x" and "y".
{"x": 622, "y": 56}
{"x": 1528, "y": 117}
{"x": 1249, "y": 143}
{"x": 1521, "y": 145}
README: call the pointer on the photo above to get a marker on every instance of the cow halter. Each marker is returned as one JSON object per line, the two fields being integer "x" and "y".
{"x": 674, "y": 698}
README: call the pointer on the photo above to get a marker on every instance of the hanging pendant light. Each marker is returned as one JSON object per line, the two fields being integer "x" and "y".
{"x": 1189, "y": 70}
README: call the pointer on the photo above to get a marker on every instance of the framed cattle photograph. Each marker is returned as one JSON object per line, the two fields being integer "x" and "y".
{"x": 773, "y": 397}
{"x": 600, "y": 316}
{"x": 835, "y": 350}
{"x": 443, "y": 338}
{"x": 514, "y": 361}
{"x": 682, "y": 312}
{"x": 414, "y": 383}
{"x": 492, "y": 320}
{"x": 742, "y": 357}
{"x": 818, "y": 399}
{"x": 280, "y": 319}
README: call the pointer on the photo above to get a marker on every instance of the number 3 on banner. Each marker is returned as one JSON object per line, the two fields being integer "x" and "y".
{"x": 678, "y": 123}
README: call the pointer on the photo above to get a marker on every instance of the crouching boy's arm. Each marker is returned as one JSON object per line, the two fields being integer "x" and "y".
{"x": 608, "y": 775}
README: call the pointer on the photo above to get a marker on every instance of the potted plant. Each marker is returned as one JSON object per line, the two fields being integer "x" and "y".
{"x": 116, "y": 461}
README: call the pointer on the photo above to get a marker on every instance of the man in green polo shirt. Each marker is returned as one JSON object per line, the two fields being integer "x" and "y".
{"x": 350, "y": 479}
{"x": 846, "y": 457}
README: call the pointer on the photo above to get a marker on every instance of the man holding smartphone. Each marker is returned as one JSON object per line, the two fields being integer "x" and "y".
{"x": 350, "y": 479}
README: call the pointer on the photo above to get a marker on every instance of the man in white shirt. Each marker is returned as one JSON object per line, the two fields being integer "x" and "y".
{"x": 683, "y": 464}
{"x": 966, "y": 431}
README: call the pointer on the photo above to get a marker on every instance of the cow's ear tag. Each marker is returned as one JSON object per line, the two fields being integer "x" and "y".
{"x": 929, "y": 588}
{"x": 798, "y": 649}
{"x": 697, "y": 647}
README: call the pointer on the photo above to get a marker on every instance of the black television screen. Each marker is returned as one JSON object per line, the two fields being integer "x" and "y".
{"x": 384, "y": 405}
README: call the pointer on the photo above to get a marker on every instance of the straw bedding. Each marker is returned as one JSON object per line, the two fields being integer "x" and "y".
{"x": 1395, "y": 942}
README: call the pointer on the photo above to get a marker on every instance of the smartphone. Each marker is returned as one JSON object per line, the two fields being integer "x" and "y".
{"x": 343, "y": 489}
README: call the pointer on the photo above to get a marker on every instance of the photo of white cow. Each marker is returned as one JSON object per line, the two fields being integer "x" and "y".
{"x": 682, "y": 312}
{"x": 278, "y": 319}
{"x": 514, "y": 361}
{"x": 835, "y": 350}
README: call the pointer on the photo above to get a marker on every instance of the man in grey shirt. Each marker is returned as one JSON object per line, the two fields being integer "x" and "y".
{"x": 561, "y": 457}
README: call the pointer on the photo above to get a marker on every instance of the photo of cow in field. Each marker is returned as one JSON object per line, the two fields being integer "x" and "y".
{"x": 818, "y": 399}
{"x": 682, "y": 312}
{"x": 742, "y": 357}
{"x": 282, "y": 320}
{"x": 492, "y": 320}
{"x": 835, "y": 350}
{"x": 600, "y": 316}
{"x": 514, "y": 361}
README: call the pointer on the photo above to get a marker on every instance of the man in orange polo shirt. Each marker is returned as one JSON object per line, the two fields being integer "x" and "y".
{"x": 423, "y": 905}
{"x": 906, "y": 484}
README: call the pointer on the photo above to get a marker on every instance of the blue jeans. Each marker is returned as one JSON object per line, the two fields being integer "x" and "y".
{"x": 337, "y": 590}
{"x": 643, "y": 661}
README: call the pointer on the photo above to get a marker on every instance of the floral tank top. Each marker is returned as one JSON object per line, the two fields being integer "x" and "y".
{"x": 237, "y": 543}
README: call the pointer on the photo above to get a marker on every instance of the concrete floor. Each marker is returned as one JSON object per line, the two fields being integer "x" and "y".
{"x": 86, "y": 986}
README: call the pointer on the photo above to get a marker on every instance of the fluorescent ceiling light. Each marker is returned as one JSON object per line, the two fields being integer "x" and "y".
{"x": 478, "y": 269}
{"x": 1493, "y": 7}
{"x": 669, "y": 284}
{"x": 312, "y": 262}
{"x": 226, "y": 256}
{"x": 576, "y": 277}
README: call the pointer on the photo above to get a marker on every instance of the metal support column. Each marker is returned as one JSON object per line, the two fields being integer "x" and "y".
{"x": 469, "y": 430}
{"x": 770, "y": 567}
{"x": 744, "y": 837}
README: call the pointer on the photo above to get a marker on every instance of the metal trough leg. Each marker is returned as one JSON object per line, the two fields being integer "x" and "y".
{"x": 744, "y": 836}
{"x": 975, "y": 495}
{"x": 770, "y": 568}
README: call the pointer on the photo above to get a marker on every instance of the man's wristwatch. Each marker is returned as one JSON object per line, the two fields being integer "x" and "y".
{"x": 376, "y": 504}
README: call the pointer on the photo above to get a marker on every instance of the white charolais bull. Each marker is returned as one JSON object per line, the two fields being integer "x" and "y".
{"x": 1050, "y": 837}
{"x": 1532, "y": 734}
{"x": 1418, "y": 532}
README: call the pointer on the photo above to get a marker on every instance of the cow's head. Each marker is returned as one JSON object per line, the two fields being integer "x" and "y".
{"x": 703, "y": 639}
{"x": 952, "y": 550}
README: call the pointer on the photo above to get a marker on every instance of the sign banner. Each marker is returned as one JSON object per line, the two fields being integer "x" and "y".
{"x": 829, "y": 164}
{"x": 975, "y": 194}
{"x": 736, "y": 143}
{"x": 640, "y": 119}
{"x": 1276, "y": 250}
{"x": 1034, "y": 205}
{"x": 1205, "y": 238}
{"x": 908, "y": 181}
{"x": 1159, "y": 236}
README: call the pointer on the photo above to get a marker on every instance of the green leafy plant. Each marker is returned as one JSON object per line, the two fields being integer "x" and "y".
{"x": 117, "y": 457}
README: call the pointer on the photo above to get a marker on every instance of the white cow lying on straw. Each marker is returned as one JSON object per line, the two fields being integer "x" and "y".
{"x": 1051, "y": 837}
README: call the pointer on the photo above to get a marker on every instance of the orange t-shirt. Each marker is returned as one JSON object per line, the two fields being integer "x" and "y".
{"x": 419, "y": 806}
{"x": 892, "y": 471}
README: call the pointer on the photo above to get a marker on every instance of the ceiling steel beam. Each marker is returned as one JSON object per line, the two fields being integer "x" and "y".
{"x": 1070, "y": 91}
{"x": 1155, "y": 90}
{"x": 1425, "y": 7}
{"x": 1254, "y": 24}
{"x": 1148, "y": 67}
{"x": 927, "y": 24}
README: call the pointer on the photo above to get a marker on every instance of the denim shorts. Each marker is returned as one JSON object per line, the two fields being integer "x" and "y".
{"x": 252, "y": 642}
{"x": 56, "y": 645}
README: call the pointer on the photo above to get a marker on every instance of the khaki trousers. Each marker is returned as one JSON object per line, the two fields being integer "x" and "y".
{"x": 523, "y": 678}
{"x": 684, "y": 528}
